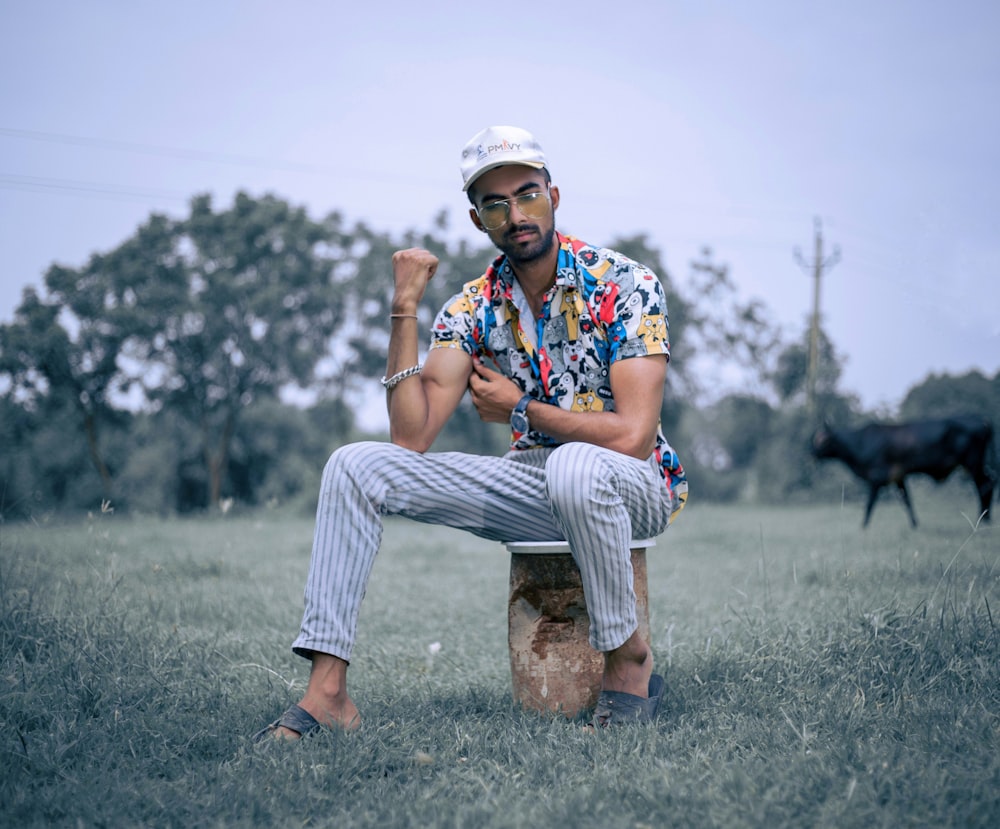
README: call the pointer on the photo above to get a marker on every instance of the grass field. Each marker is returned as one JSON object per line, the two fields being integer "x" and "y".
{"x": 818, "y": 675}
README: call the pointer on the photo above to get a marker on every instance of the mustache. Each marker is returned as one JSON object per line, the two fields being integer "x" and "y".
{"x": 521, "y": 228}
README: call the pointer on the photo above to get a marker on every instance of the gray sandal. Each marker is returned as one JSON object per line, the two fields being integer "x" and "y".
{"x": 295, "y": 718}
{"x": 618, "y": 708}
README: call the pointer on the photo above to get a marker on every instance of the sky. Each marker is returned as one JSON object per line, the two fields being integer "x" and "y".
{"x": 737, "y": 126}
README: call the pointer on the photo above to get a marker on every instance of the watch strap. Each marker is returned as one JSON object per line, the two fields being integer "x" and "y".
{"x": 522, "y": 404}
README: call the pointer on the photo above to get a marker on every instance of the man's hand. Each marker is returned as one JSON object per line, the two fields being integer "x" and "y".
{"x": 493, "y": 395}
{"x": 412, "y": 269}
{"x": 637, "y": 387}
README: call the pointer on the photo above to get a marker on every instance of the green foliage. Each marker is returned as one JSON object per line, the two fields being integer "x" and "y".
{"x": 51, "y": 371}
{"x": 940, "y": 395}
{"x": 275, "y": 452}
{"x": 151, "y": 376}
{"x": 149, "y": 481}
{"x": 730, "y": 330}
{"x": 41, "y": 470}
{"x": 17, "y": 478}
{"x": 741, "y": 419}
{"x": 255, "y": 310}
{"x": 789, "y": 378}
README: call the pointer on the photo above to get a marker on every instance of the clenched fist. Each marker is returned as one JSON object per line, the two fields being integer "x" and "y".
{"x": 412, "y": 269}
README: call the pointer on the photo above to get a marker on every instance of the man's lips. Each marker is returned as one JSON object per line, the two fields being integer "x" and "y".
{"x": 522, "y": 233}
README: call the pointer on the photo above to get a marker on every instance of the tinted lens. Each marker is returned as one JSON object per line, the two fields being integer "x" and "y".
{"x": 497, "y": 214}
{"x": 533, "y": 205}
{"x": 494, "y": 215}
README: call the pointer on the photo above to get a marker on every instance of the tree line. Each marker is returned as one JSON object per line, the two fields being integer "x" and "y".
{"x": 220, "y": 357}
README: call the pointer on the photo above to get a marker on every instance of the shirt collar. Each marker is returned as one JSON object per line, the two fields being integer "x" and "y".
{"x": 502, "y": 273}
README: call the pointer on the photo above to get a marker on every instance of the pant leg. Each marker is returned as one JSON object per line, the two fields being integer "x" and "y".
{"x": 602, "y": 500}
{"x": 497, "y": 498}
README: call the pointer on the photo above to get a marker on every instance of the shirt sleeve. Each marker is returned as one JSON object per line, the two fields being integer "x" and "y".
{"x": 454, "y": 326}
{"x": 640, "y": 317}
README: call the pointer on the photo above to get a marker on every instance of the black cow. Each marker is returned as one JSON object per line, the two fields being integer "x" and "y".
{"x": 882, "y": 454}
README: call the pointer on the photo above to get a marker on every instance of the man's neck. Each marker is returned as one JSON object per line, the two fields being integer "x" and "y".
{"x": 535, "y": 283}
{"x": 537, "y": 277}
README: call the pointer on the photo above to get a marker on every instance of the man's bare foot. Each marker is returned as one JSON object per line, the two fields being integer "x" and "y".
{"x": 326, "y": 698}
{"x": 629, "y": 667}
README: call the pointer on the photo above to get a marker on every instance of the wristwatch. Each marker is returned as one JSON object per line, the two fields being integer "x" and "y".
{"x": 519, "y": 417}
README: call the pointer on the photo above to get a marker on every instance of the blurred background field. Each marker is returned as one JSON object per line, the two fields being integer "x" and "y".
{"x": 818, "y": 675}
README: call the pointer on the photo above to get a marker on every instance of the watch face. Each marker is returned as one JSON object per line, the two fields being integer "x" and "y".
{"x": 519, "y": 422}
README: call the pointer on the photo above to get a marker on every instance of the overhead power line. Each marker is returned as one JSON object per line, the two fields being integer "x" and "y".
{"x": 170, "y": 152}
{"x": 40, "y": 184}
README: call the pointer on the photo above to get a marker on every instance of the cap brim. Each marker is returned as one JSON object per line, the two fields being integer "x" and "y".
{"x": 536, "y": 165}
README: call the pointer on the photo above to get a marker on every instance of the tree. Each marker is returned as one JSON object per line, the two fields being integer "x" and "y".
{"x": 101, "y": 307}
{"x": 44, "y": 363}
{"x": 168, "y": 356}
{"x": 17, "y": 479}
{"x": 743, "y": 425}
{"x": 76, "y": 350}
{"x": 941, "y": 395}
{"x": 253, "y": 312}
{"x": 788, "y": 378}
{"x": 725, "y": 328}
{"x": 204, "y": 316}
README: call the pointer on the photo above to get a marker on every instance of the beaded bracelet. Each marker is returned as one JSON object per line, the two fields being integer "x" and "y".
{"x": 391, "y": 382}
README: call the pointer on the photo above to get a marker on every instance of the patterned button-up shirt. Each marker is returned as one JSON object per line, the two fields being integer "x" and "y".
{"x": 603, "y": 307}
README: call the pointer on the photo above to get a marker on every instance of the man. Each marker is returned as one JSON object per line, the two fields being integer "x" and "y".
{"x": 566, "y": 342}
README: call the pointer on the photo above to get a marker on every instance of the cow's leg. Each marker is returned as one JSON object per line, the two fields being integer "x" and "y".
{"x": 984, "y": 486}
{"x": 872, "y": 497}
{"x": 906, "y": 500}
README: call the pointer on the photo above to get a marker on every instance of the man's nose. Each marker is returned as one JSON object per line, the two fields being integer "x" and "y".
{"x": 515, "y": 208}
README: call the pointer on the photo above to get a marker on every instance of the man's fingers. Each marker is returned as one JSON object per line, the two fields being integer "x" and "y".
{"x": 483, "y": 371}
{"x": 415, "y": 261}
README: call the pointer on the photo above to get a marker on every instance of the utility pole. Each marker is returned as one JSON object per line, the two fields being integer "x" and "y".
{"x": 816, "y": 266}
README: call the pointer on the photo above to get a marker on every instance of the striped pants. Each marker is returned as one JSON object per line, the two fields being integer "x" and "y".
{"x": 595, "y": 499}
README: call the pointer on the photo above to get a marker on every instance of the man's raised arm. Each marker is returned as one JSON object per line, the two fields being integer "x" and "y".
{"x": 419, "y": 401}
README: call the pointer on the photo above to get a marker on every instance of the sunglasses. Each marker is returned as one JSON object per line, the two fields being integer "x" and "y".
{"x": 531, "y": 205}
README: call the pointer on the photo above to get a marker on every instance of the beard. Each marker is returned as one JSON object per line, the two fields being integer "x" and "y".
{"x": 522, "y": 253}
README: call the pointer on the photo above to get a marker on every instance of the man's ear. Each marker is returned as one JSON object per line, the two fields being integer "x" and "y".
{"x": 554, "y": 195}
{"x": 475, "y": 219}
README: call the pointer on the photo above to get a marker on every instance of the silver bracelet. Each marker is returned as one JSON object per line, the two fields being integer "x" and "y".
{"x": 391, "y": 382}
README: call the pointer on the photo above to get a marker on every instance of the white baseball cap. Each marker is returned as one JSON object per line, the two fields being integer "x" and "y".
{"x": 496, "y": 146}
